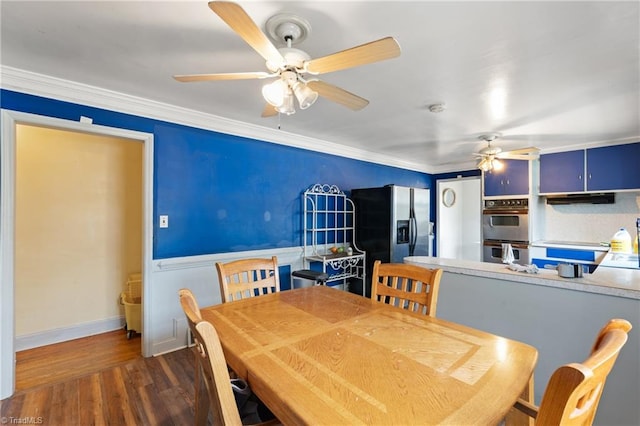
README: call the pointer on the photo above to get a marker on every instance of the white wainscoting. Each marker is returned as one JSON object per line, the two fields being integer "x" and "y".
{"x": 198, "y": 273}
{"x": 168, "y": 326}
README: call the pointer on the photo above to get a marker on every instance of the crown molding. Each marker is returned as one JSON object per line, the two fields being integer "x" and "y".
{"x": 69, "y": 91}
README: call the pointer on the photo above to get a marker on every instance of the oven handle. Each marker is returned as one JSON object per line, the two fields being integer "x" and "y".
{"x": 502, "y": 212}
{"x": 515, "y": 245}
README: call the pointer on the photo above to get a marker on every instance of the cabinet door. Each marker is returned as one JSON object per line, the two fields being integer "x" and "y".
{"x": 613, "y": 167}
{"x": 517, "y": 177}
{"x": 562, "y": 172}
{"x": 512, "y": 180}
{"x": 493, "y": 183}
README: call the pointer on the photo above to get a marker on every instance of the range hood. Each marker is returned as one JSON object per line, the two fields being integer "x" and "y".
{"x": 599, "y": 198}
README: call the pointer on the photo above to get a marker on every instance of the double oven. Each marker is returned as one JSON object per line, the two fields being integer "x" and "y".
{"x": 506, "y": 221}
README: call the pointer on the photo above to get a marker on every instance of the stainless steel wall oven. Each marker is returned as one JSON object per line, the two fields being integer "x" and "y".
{"x": 505, "y": 221}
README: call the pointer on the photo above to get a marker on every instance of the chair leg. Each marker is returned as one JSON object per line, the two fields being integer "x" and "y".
{"x": 202, "y": 396}
{"x": 516, "y": 417}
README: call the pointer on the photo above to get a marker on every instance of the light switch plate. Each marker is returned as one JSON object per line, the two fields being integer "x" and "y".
{"x": 164, "y": 221}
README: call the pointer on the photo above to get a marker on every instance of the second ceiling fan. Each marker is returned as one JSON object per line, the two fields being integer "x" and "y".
{"x": 490, "y": 156}
{"x": 290, "y": 66}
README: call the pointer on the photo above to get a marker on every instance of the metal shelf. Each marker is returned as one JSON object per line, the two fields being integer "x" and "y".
{"x": 329, "y": 221}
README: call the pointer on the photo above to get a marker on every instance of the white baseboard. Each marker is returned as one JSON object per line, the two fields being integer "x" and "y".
{"x": 76, "y": 331}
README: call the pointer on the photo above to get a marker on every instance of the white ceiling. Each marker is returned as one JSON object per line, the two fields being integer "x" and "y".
{"x": 549, "y": 74}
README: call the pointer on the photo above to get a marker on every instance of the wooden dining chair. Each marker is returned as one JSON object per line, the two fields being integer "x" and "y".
{"x": 212, "y": 381}
{"x": 574, "y": 390}
{"x": 192, "y": 312}
{"x": 407, "y": 286}
{"x": 244, "y": 278}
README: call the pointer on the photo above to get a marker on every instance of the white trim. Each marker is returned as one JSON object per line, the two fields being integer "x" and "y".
{"x": 64, "y": 90}
{"x": 9, "y": 120}
{"x": 285, "y": 256}
{"x": 7, "y": 221}
{"x": 64, "y": 334}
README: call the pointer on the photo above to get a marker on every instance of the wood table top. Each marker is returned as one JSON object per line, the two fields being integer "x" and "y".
{"x": 317, "y": 355}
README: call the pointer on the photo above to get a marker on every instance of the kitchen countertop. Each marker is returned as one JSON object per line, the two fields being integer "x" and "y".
{"x": 579, "y": 245}
{"x": 609, "y": 281}
{"x": 620, "y": 260}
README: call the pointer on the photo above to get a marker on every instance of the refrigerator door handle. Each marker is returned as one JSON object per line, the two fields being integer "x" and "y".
{"x": 413, "y": 231}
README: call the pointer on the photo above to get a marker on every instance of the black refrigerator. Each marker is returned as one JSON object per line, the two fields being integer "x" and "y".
{"x": 392, "y": 222}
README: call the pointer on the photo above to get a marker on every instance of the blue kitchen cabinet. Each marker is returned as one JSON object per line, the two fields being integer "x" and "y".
{"x": 562, "y": 172}
{"x": 609, "y": 168}
{"x": 513, "y": 179}
{"x": 613, "y": 167}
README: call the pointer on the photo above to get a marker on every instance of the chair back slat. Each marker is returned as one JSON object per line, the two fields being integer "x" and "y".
{"x": 244, "y": 278}
{"x": 406, "y": 286}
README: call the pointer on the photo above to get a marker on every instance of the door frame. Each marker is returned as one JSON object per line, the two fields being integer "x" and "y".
{"x": 438, "y": 199}
{"x": 8, "y": 121}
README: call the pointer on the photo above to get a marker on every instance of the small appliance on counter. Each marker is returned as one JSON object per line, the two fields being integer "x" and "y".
{"x": 568, "y": 270}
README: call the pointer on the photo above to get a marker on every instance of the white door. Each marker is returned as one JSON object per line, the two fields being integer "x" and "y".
{"x": 459, "y": 219}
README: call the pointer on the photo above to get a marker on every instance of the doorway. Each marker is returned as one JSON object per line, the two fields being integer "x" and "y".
{"x": 459, "y": 215}
{"x": 10, "y": 122}
{"x": 78, "y": 228}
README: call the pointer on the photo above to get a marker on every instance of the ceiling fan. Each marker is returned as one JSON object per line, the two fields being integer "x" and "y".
{"x": 290, "y": 66}
{"x": 490, "y": 155}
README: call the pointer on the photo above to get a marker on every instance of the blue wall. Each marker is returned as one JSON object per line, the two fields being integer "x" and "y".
{"x": 226, "y": 193}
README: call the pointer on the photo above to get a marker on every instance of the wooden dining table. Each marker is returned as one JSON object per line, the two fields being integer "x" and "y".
{"x": 322, "y": 356}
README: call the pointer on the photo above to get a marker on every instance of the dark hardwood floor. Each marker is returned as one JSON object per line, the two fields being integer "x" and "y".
{"x": 101, "y": 380}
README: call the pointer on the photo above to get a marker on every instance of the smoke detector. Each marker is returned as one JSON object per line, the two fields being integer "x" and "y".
{"x": 436, "y": 108}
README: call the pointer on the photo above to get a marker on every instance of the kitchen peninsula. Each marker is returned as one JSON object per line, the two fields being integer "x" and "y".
{"x": 558, "y": 316}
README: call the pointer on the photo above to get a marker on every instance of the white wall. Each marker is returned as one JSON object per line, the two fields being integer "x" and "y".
{"x": 592, "y": 222}
{"x": 78, "y": 230}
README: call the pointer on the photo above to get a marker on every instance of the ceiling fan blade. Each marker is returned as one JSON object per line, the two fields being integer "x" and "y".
{"x": 269, "y": 111}
{"x": 236, "y": 18}
{"x": 222, "y": 76}
{"x": 385, "y": 48}
{"x": 530, "y": 150}
{"x": 338, "y": 95}
{"x": 508, "y": 156}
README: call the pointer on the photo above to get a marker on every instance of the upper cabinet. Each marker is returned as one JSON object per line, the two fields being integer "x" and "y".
{"x": 613, "y": 167}
{"x": 512, "y": 180}
{"x": 608, "y": 168}
{"x": 562, "y": 172}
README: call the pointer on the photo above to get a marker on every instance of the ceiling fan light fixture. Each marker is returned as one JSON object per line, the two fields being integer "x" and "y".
{"x": 483, "y": 165}
{"x": 306, "y": 97}
{"x": 496, "y": 165}
{"x": 287, "y": 104}
{"x": 275, "y": 92}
